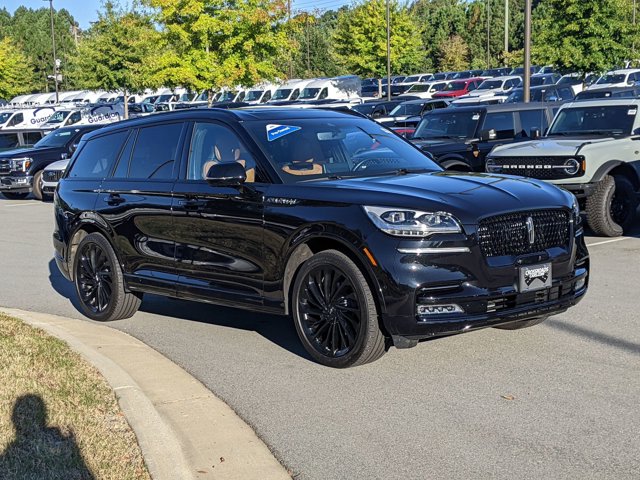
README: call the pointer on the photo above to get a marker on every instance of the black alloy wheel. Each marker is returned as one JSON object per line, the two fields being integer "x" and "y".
{"x": 95, "y": 278}
{"x": 334, "y": 312}
{"x": 100, "y": 283}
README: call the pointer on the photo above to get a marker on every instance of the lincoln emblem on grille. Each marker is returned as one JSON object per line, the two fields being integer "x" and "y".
{"x": 531, "y": 230}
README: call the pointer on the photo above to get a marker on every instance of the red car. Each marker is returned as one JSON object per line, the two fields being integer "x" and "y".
{"x": 457, "y": 88}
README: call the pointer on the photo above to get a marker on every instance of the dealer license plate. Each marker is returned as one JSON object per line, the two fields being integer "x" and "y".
{"x": 535, "y": 277}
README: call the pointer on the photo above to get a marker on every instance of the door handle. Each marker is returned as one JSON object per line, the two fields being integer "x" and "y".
{"x": 114, "y": 199}
{"x": 192, "y": 204}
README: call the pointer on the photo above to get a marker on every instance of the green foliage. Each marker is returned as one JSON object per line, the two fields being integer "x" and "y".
{"x": 16, "y": 77}
{"x": 221, "y": 43}
{"x": 313, "y": 57}
{"x": 584, "y": 35}
{"x": 453, "y": 54}
{"x": 360, "y": 41}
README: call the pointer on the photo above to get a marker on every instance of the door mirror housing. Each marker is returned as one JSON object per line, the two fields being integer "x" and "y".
{"x": 486, "y": 135}
{"x": 535, "y": 133}
{"x": 230, "y": 174}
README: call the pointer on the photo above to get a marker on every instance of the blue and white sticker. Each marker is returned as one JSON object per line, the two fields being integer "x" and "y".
{"x": 275, "y": 132}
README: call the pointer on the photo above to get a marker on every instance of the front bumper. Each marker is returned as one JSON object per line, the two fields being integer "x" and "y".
{"x": 580, "y": 190}
{"x": 16, "y": 183}
{"x": 49, "y": 187}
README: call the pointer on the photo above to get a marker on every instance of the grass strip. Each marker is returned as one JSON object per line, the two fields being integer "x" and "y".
{"x": 59, "y": 419}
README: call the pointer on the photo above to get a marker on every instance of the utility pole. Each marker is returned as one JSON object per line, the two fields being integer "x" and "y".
{"x": 53, "y": 44}
{"x": 289, "y": 20}
{"x": 527, "y": 50}
{"x": 388, "y": 53}
{"x": 633, "y": 46}
{"x": 308, "y": 49}
{"x": 488, "y": 33}
{"x": 506, "y": 26}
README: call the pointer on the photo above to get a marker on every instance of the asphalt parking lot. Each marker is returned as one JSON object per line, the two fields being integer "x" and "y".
{"x": 559, "y": 400}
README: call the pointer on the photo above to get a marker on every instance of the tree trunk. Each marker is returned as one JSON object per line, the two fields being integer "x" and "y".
{"x": 379, "y": 88}
{"x": 126, "y": 104}
{"x": 209, "y": 98}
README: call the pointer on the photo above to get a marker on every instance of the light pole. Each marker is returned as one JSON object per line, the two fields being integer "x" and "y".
{"x": 527, "y": 50}
{"x": 488, "y": 34}
{"x": 388, "y": 53}
{"x": 506, "y": 26}
{"x": 53, "y": 44}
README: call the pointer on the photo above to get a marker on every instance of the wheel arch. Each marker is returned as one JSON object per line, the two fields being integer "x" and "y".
{"x": 80, "y": 231}
{"x": 455, "y": 163}
{"x": 618, "y": 167}
{"x": 316, "y": 244}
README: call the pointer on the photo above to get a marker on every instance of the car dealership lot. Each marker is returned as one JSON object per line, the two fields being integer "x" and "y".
{"x": 555, "y": 401}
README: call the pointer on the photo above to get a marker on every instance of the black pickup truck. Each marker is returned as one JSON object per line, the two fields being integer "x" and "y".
{"x": 460, "y": 138}
{"x": 21, "y": 169}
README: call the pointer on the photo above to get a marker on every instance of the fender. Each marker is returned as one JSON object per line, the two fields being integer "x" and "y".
{"x": 453, "y": 160}
{"x": 607, "y": 167}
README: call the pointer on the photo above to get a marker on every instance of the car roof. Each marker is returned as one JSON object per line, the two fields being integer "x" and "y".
{"x": 603, "y": 102}
{"x": 424, "y": 101}
{"x": 497, "y": 107}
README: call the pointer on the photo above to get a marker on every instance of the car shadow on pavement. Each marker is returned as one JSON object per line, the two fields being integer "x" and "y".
{"x": 39, "y": 451}
{"x": 275, "y": 328}
{"x": 595, "y": 336}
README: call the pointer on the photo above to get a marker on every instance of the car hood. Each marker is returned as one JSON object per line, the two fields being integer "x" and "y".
{"x": 28, "y": 152}
{"x": 481, "y": 93}
{"x": 388, "y": 120}
{"x": 547, "y": 147}
{"x": 59, "y": 165}
{"x": 438, "y": 142}
{"x": 468, "y": 196}
{"x": 450, "y": 94}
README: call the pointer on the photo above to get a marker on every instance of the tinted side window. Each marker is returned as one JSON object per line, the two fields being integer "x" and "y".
{"x": 155, "y": 152}
{"x": 324, "y": 93}
{"x": 9, "y": 140}
{"x": 97, "y": 157}
{"x": 32, "y": 137}
{"x": 17, "y": 118}
{"x": 501, "y": 122}
{"x": 533, "y": 118}
{"x": 295, "y": 94}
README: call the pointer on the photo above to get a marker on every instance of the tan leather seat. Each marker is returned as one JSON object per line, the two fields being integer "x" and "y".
{"x": 306, "y": 157}
{"x": 219, "y": 152}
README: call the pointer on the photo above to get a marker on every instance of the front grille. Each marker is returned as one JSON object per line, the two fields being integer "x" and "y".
{"x": 52, "y": 175}
{"x": 542, "y": 168}
{"x": 5, "y": 168}
{"x": 508, "y": 234}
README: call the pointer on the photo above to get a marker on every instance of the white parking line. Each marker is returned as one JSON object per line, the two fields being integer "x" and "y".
{"x": 21, "y": 204}
{"x": 609, "y": 241}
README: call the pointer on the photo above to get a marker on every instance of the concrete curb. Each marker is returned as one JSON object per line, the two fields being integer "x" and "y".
{"x": 184, "y": 431}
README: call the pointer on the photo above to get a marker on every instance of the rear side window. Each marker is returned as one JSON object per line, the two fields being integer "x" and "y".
{"x": 501, "y": 122}
{"x": 32, "y": 137}
{"x": 155, "y": 152}
{"x": 533, "y": 118}
{"x": 97, "y": 157}
{"x": 8, "y": 141}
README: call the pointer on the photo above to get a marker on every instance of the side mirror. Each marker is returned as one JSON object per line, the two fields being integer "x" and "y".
{"x": 230, "y": 174}
{"x": 486, "y": 135}
{"x": 535, "y": 133}
{"x": 631, "y": 82}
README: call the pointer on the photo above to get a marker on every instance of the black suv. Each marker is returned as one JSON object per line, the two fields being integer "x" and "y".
{"x": 21, "y": 169}
{"x": 460, "y": 138}
{"x": 326, "y": 216}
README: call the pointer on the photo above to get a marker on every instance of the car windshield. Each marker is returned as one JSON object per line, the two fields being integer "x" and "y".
{"x": 412, "y": 79}
{"x": 335, "y": 148}
{"x": 448, "y": 124}
{"x": 281, "y": 94}
{"x": 58, "y": 117}
{"x": 570, "y": 81}
{"x": 253, "y": 95}
{"x": 440, "y": 76}
{"x": 453, "y": 86}
{"x": 364, "y": 108}
{"x": 4, "y": 116}
{"x": 535, "y": 81}
{"x": 605, "y": 120}
{"x": 535, "y": 95}
{"x": 611, "y": 78}
{"x": 309, "y": 93}
{"x": 57, "y": 138}
{"x": 407, "y": 109}
{"x": 227, "y": 96}
{"x": 164, "y": 98}
{"x": 490, "y": 85}
{"x": 185, "y": 97}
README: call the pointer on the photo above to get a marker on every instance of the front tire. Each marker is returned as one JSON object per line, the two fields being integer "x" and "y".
{"x": 611, "y": 208}
{"x": 37, "y": 185}
{"x": 335, "y": 313}
{"x": 15, "y": 195}
{"x": 100, "y": 283}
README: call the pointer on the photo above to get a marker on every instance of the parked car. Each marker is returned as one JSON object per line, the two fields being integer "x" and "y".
{"x": 520, "y": 70}
{"x": 21, "y": 169}
{"x": 425, "y": 90}
{"x": 461, "y": 138}
{"x": 376, "y": 108}
{"x": 321, "y": 215}
{"x": 12, "y": 139}
{"x": 443, "y": 76}
{"x": 408, "y": 114}
{"x": 545, "y": 79}
{"x": 495, "y": 72}
{"x": 544, "y": 93}
{"x": 497, "y": 86}
{"x": 616, "y": 92}
{"x": 24, "y": 118}
{"x": 573, "y": 80}
{"x": 592, "y": 151}
{"x": 403, "y": 86}
{"x": 617, "y": 78}
{"x": 457, "y": 88}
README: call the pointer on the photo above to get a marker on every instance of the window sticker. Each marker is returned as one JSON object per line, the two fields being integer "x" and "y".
{"x": 632, "y": 111}
{"x": 275, "y": 132}
{"x": 476, "y": 116}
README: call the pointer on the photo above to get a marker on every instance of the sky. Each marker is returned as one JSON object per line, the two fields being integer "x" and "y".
{"x": 84, "y": 11}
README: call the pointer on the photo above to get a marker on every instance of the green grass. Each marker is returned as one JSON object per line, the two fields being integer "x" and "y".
{"x": 58, "y": 417}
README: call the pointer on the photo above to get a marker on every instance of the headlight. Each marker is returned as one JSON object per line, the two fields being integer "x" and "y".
{"x": 21, "y": 164}
{"x": 491, "y": 167}
{"x": 577, "y": 220}
{"x": 571, "y": 166}
{"x": 412, "y": 223}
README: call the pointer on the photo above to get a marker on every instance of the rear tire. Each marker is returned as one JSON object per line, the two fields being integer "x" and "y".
{"x": 335, "y": 313}
{"x": 15, "y": 195}
{"x": 100, "y": 283}
{"x": 611, "y": 208}
{"x": 522, "y": 324}
{"x": 37, "y": 185}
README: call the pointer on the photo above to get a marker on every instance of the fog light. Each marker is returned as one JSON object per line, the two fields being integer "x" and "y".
{"x": 580, "y": 284}
{"x": 439, "y": 309}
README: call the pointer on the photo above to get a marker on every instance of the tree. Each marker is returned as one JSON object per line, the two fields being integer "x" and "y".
{"x": 16, "y": 77}
{"x": 119, "y": 53}
{"x": 313, "y": 57}
{"x": 454, "y": 54}
{"x": 584, "y": 35}
{"x": 222, "y": 43}
{"x": 360, "y": 40}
